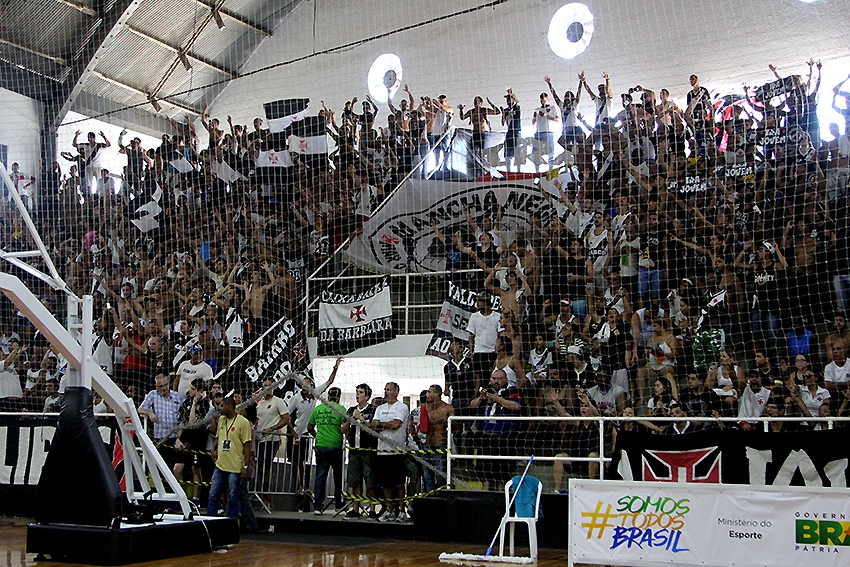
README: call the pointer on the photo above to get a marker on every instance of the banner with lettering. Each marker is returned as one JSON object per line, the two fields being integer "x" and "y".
{"x": 459, "y": 305}
{"x": 778, "y": 87}
{"x": 24, "y": 444}
{"x": 658, "y": 524}
{"x": 349, "y": 321}
{"x": 284, "y": 350}
{"x": 399, "y": 238}
{"x": 768, "y": 137}
{"x": 810, "y": 458}
{"x": 693, "y": 179}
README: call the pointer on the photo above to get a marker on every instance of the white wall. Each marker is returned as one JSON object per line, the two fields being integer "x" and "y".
{"x": 657, "y": 43}
{"x": 400, "y": 360}
{"x": 20, "y": 128}
{"x": 112, "y": 160}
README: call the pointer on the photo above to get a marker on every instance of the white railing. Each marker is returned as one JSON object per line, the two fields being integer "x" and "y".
{"x": 605, "y": 426}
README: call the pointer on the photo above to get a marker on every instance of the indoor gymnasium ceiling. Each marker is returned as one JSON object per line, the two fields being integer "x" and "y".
{"x": 137, "y": 61}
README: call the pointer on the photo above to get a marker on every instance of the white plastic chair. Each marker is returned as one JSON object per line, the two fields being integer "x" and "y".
{"x": 510, "y": 518}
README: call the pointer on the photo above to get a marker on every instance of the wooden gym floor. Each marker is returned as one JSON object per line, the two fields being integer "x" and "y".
{"x": 282, "y": 550}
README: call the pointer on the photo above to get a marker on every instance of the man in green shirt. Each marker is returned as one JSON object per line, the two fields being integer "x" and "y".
{"x": 326, "y": 426}
{"x": 231, "y": 455}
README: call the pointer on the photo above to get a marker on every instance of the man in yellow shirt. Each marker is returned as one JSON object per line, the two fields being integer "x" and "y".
{"x": 231, "y": 455}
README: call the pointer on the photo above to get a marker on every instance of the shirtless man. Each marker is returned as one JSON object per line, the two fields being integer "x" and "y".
{"x": 405, "y": 110}
{"x": 216, "y": 133}
{"x": 841, "y": 334}
{"x": 477, "y": 117}
{"x": 436, "y": 438}
{"x": 666, "y": 110}
{"x": 255, "y": 297}
{"x": 804, "y": 268}
{"x": 513, "y": 298}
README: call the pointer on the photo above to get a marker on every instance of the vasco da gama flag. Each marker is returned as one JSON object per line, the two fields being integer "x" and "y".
{"x": 309, "y": 136}
{"x": 351, "y": 321}
{"x": 283, "y": 113}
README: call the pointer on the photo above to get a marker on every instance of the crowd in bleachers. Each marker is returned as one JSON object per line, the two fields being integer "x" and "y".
{"x": 697, "y": 264}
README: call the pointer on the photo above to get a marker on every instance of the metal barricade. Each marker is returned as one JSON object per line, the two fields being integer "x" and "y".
{"x": 470, "y": 453}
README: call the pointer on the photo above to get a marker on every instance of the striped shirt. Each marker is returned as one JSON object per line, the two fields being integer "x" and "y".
{"x": 167, "y": 411}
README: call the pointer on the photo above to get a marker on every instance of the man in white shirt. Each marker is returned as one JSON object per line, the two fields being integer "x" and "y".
{"x": 542, "y": 119}
{"x": 105, "y": 187}
{"x": 602, "y": 100}
{"x": 440, "y": 119}
{"x": 22, "y": 183}
{"x": 836, "y": 375}
{"x": 301, "y": 406}
{"x": 838, "y": 173}
{"x": 272, "y": 417}
{"x": 752, "y": 401}
{"x": 483, "y": 329}
{"x": 193, "y": 368}
{"x": 390, "y": 471}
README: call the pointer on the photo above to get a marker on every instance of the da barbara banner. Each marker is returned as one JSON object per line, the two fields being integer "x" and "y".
{"x": 651, "y": 524}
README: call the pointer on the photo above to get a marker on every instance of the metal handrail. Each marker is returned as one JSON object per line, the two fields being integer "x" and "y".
{"x": 381, "y": 205}
{"x": 601, "y": 459}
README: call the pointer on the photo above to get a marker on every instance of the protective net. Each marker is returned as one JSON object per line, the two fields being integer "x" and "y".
{"x": 523, "y": 203}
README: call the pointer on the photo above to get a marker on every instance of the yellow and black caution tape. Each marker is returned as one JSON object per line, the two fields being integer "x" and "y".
{"x": 368, "y": 500}
{"x": 194, "y": 483}
{"x": 185, "y": 450}
{"x": 406, "y": 452}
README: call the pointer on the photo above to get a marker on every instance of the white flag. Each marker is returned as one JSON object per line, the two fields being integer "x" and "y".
{"x": 224, "y": 172}
{"x": 274, "y": 159}
{"x": 182, "y": 165}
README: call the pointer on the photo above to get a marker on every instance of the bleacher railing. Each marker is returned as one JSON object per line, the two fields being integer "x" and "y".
{"x": 466, "y": 449}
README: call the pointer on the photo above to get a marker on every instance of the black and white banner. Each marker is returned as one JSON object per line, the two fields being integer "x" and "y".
{"x": 779, "y": 87}
{"x": 24, "y": 444}
{"x": 812, "y": 458}
{"x": 399, "y": 238}
{"x": 768, "y": 137}
{"x": 309, "y": 136}
{"x": 459, "y": 305}
{"x": 284, "y": 351}
{"x": 696, "y": 183}
{"x": 281, "y": 114}
{"x": 348, "y": 322}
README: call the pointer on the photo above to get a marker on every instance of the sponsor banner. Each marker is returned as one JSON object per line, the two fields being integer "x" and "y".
{"x": 779, "y": 87}
{"x": 398, "y": 237}
{"x": 652, "y": 524}
{"x": 459, "y": 305}
{"x": 282, "y": 353}
{"x": 811, "y": 458}
{"x": 25, "y": 442}
{"x": 348, "y": 322}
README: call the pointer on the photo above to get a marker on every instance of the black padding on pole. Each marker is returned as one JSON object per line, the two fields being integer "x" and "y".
{"x": 78, "y": 484}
